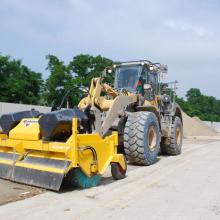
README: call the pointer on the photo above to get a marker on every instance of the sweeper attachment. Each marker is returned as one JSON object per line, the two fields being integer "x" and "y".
{"x": 46, "y": 150}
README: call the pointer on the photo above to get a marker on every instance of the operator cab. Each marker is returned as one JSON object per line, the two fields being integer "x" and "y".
{"x": 126, "y": 77}
{"x": 134, "y": 77}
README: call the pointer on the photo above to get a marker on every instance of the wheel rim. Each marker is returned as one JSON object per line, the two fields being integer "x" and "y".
{"x": 152, "y": 138}
{"x": 178, "y": 136}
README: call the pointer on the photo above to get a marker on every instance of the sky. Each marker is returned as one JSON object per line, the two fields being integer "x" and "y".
{"x": 184, "y": 34}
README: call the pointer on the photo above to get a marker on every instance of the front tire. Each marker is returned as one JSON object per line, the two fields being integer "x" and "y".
{"x": 117, "y": 171}
{"x": 142, "y": 138}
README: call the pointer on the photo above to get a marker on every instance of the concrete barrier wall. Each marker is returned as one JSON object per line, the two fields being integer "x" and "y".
{"x": 12, "y": 107}
{"x": 215, "y": 125}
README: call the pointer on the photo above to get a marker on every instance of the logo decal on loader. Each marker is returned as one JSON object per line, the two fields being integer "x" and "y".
{"x": 29, "y": 122}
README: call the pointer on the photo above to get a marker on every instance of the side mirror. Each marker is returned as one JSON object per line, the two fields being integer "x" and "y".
{"x": 147, "y": 87}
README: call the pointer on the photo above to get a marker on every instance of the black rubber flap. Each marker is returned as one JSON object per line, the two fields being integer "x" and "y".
{"x": 39, "y": 178}
{"x": 9, "y": 121}
{"x": 59, "y": 123}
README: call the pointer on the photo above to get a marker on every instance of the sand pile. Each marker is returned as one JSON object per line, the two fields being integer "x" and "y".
{"x": 196, "y": 127}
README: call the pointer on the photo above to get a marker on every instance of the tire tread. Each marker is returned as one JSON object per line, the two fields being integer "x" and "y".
{"x": 133, "y": 138}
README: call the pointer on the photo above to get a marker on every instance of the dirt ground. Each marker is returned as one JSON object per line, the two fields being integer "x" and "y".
{"x": 11, "y": 192}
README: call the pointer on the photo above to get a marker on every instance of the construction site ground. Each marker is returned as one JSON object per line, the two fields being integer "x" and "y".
{"x": 181, "y": 187}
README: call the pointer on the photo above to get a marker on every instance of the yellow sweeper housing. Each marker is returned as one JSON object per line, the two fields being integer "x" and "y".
{"x": 81, "y": 159}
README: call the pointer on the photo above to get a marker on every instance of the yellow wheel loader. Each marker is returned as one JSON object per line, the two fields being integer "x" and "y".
{"x": 131, "y": 120}
{"x": 139, "y": 107}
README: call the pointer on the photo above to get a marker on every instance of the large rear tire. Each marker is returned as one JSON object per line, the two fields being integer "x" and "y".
{"x": 142, "y": 138}
{"x": 173, "y": 146}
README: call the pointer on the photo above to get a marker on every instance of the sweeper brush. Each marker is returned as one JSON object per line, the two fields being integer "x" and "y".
{"x": 46, "y": 150}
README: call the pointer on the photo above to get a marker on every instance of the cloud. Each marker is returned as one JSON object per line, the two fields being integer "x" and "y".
{"x": 183, "y": 34}
{"x": 184, "y": 26}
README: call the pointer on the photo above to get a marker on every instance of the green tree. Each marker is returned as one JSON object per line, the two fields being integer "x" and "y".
{"x": 84, "y": 67}
{"x": 205, "y": 107}
{"x": 19, "y": 84}
{"x": 59, "y": 81}
{"x": 184, "y": 105}
{"x": 193, "y": 96}
{"x": 77, "y": 73}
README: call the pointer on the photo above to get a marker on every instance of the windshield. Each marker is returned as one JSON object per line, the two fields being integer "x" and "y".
{"x": 127, "y": 77}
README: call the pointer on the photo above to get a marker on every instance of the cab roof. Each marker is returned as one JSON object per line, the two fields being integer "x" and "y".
{"x": 152, "y": 66}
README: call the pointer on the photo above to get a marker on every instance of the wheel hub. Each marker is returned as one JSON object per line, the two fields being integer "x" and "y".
{"x": 178, "y": 136}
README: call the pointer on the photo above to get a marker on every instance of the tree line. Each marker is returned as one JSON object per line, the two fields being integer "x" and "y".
{"x": 207, "y": 108}
{"x": 20, "y": 84}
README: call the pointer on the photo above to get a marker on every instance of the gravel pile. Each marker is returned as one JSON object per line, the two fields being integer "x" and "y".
{"x": 195, "y": 127}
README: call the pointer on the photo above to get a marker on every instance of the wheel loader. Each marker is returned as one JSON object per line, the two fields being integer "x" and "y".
{"x": 129, "y": 120}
